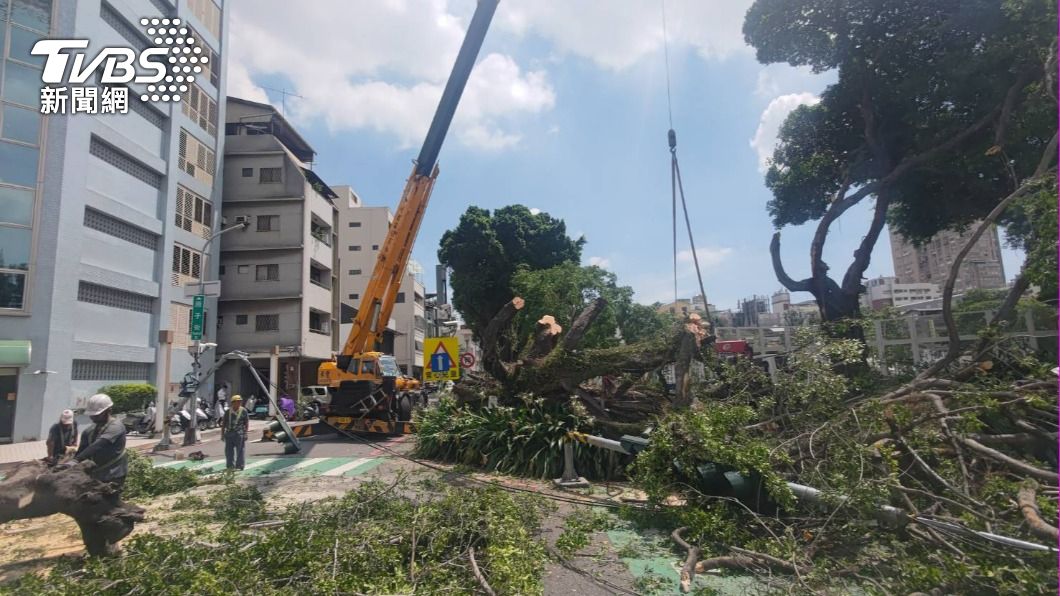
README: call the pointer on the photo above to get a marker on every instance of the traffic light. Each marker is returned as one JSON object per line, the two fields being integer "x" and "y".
{"x": 282, "y": 433}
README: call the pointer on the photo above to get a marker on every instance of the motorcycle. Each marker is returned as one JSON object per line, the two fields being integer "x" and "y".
{"x": 258, "y": 407}
{"x": 181, "y": 421}
{"x": 142, "y": 423}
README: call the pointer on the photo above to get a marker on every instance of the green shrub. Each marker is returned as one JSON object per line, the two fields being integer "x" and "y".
{"x": 237, "y": 503}
{"x": 524, "y": 441}
{"x": 130, "y": 396}
{"x": 145, "y": 480}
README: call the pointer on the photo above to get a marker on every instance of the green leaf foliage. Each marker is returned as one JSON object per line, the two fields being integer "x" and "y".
{"x": 524, "y": 441}
{"x": 564, "y": 290}
{"x": 146, "y": 480}
{"x": 373, "y": 540}
{"x": 485, "y": 250}
{"x": 130, "y": 396}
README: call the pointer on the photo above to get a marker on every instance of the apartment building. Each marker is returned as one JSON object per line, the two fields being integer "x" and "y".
{"x": 361, "y": 232}
{"x": 931, "y": 261}
{"x": 883, "y": 292}
{"x": 278, "y": 275}
{"x": 103, "y": 217}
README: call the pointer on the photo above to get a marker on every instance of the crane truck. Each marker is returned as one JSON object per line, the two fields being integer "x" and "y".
{"x": 368, "y": 393}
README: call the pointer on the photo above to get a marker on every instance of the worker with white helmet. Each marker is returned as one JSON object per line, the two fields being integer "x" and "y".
{"x": 104, "y": 442}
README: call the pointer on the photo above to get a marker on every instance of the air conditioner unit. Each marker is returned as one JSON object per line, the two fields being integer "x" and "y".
{"x": 242, "y": 219}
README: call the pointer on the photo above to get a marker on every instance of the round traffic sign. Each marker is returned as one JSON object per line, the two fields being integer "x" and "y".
{"x": 467, "y": 360}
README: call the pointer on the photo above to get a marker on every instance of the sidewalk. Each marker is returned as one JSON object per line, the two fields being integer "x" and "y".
{"x": 30, "y": 450}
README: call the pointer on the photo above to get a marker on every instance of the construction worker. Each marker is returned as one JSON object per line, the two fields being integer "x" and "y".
{"x": 62, "y": 438}
{"x": 103, "y": 443}
{"x": 234, "y": 428}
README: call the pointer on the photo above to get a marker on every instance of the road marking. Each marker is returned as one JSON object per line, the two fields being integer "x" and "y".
{"x": 260, "y": 462}
{"x": 305, "y": 463}
{"x": 346, "y": 467}
{"x": 170, "y": 464}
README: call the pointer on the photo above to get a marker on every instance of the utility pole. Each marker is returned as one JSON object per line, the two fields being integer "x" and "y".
{"x": 198, "y": 316}
{"x": 165, "y": 343}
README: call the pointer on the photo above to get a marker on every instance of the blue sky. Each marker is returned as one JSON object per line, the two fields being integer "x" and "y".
{"x": 566, "y": 112}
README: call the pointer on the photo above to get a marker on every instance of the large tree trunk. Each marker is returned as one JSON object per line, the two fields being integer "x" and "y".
{"x": 33, "y": 490}
{"x": 554, "y": 366}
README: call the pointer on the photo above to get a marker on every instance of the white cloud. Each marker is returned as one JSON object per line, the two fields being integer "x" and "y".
{"x": 381, "y": 66}
{"x": 708, "y": 257}
{"x": 618, "y": 33}
{"x": 534, "y": 211}
{"x": 780, "y": 78}
{"x": 601, "y": 262}
{"x": 765, "y": 138}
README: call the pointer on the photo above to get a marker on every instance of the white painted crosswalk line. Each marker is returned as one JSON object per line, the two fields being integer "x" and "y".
{"x": 170, "y": 464}
{"x": 305, "y": 463}
{"x": 259, "y": 463}
{"x": 346, "y": 467}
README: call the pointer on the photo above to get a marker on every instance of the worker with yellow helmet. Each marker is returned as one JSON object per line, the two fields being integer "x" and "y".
{"x": 234, "y": 428}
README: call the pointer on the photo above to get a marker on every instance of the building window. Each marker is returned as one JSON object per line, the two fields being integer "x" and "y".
{"x": 267, "y": 273}
{"x": 269, "y": 175}
{"x": 266, "y": 322}
{"x": 194, "y": 213}
{"x": 221, "y": 270}
{"x": 212, "y": 66}
{"x": 241, "y": 319}
{"x": 355, "y": 224}
{"x": 400, "y": 298}
{"x": 187, "y": 264}
{"x": 248, "y": 172}
{"x": 195, "y": 158}
{"x": 112, "y": 226}
{"x": 319, "y": 322}
{"x": 110, "y": 370}
{"x": 243, "y": 269}
{"x": 355, "y": 271}
{"x": 355, "y": 248}
{"x": 355, "y": 296}
{"x": 220, "y": 321}
{"x": 114, "y": 298}
{"x": 208, "y": 14}
{"x": 375, "y": 247}
{"x": 268, "y": 223}
{"x": 201, "y": 109}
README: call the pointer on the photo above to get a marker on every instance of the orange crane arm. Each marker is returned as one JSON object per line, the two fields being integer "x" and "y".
{"x": 381, "y": 293}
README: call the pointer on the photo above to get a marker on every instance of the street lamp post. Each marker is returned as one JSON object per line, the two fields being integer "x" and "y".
{"x": 191, "y": 435}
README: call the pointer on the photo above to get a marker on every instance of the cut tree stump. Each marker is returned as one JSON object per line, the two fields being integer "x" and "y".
{"x": 34, "y": 490}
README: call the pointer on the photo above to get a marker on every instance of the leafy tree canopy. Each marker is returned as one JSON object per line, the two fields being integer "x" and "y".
{"x": 563, "y": 291}
{"x": 913, "y": 76}
{"x": 485, "y": 250}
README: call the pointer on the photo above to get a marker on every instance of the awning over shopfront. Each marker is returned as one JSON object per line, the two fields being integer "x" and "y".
{"x": 14, "y": 352}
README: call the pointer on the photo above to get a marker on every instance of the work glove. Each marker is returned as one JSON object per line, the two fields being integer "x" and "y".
{"x": 72, "y": 449}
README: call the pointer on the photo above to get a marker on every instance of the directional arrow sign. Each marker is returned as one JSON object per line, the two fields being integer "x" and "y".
{"x": 439, "y": 359}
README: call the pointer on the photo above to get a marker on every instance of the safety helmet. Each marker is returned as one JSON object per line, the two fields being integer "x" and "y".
{"x": 236, "y": 398}
{"x": 98, "y": 403}
{"x": 66, "y": 417}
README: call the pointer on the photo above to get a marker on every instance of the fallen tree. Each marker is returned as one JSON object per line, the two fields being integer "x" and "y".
{"x": 553, "y": 366}
{"x": 34, "y": 490}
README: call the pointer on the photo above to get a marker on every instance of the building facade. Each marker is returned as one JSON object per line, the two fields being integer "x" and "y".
{"x": 361, "y": 232}
{"x": 883, "y": 292}
{"x": 278, "y": 283}
{"x": 103, "y": 218}
{"x": 931, "y": 262}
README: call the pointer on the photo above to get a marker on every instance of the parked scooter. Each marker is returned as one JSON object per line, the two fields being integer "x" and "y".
{"x": 181, "y": 421}
{"x": 141, "y": 422}
{"x": 258, "y": 407}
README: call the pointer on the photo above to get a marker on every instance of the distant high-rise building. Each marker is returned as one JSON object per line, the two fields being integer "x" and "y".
{"x": 931, "y": 261}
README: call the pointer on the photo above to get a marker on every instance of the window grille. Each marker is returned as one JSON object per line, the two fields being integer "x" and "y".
{"x": 110, "y": 370}
{"x": 195, "y": 158}
{"x": 114, "y": 298}
{"x": 101, "y": 222}
{"x": 113, "y": 18}
{"x": 201, "y": 109}
{"x": 267, "y": 323}
{"x": 123, "y": 162}
{"x": 194, "y": 213}
{"x": 241, "y": 319}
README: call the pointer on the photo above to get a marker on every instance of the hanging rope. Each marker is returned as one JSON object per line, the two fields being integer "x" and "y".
{"x": 676, "y": 186}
